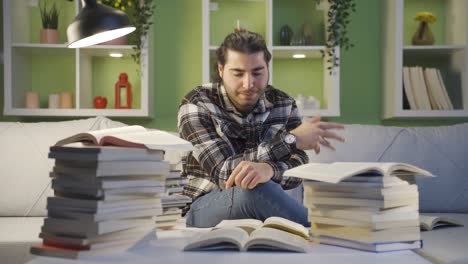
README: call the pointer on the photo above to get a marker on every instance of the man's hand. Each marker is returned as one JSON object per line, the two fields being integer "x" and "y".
{"x": 248, "y": 175}
{"x": 313, "y": 133}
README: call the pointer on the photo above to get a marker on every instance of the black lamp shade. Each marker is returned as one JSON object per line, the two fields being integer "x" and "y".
{"x": 97, "y": 23}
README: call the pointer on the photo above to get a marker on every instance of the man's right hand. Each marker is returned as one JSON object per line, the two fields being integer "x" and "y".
{"x": 313, "y": 133}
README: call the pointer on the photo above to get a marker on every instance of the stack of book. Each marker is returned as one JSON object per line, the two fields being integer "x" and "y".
{"x": 173, "y": 201}
{"x": 105, "y": 197}
{"x": 175, "y": 183}
{"x": 366, "y": 206}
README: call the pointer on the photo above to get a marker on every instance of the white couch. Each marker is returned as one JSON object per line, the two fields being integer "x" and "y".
{"x": 442, "y": 150}
{"x": 24, "y": 170}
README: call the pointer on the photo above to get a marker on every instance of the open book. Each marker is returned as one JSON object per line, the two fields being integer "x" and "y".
{"x": 275, "y": 233}
{"x": 430, "y": 222}
{"x": 338, "y": 171}
{"x": 130, "y": 136}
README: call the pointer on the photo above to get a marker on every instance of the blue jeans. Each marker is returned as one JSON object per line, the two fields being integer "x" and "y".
{"x": 267, "y": 199}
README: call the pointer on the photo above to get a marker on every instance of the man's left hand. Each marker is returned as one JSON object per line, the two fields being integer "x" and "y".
{"x": 248, "y": 175}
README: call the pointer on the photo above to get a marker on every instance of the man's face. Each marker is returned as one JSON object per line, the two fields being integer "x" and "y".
{"x": 245, "y": 77}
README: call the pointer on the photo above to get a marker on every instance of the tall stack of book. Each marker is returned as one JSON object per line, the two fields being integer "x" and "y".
{"x": 105, "y": 197}
{"x": 366, "y": 206}
{"x": 173, "y": 200}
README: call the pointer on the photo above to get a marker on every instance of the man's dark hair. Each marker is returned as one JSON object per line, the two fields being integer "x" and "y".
{"x": 243, "y": 41}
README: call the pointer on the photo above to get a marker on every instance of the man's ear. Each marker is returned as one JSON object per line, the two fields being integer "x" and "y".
{"x": 220, "y": 70}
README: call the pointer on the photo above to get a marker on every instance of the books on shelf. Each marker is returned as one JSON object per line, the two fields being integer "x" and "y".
{"x": 276, "y": 234}
{"x": 366, "y": 206}
{"x": 425, "y": 89}
{"x": 130, "y": 136}
{"x": 408, "y": 88}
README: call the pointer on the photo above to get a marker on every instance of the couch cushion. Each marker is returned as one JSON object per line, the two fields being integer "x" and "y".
{"x": 18, "y": 234}
{"x": 441, "y": 150}
{"x": 25, "y": 166}
{"x": 446, "y": 245}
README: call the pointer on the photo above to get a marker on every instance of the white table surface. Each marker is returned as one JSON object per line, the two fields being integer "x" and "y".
{"x": 168, "y": 249}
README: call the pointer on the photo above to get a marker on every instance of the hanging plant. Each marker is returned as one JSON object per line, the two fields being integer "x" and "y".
{"x": 337, "y": 33}
{"x": 140, "y": 13}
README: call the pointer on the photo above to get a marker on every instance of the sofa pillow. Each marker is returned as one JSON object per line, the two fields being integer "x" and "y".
{"x": 25, "y": 165}
{"x": 441, "y": 150}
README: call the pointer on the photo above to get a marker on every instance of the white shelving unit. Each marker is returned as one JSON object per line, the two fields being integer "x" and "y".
{"x": 450, "y": 54}
{"x": 329, "y": 92}
{"x": 21, "y": 70}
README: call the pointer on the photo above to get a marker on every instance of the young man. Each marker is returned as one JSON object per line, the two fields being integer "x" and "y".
{"x": 246, "y": 134}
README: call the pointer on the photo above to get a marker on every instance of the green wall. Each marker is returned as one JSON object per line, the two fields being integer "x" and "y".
{"x": 177, "y": 67}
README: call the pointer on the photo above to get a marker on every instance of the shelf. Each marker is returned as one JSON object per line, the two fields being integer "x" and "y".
{"x": 287, "y": 52}
{"x": 432, "y": 113}
{"x": 105, "y": 50}
{"x": 41, "y": 49}
{"x": 442, "y": 50}
{"x": 448, "y": 59}
{"x": 305, "y": 76}
{"x": 54, "y": 68}
{"x": 79, "y": 112}
{"x": 435, "y": 47}
{"x": 40, "y": 46}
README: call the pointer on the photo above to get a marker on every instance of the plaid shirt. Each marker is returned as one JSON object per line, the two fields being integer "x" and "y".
{"x": 223, "y": 137}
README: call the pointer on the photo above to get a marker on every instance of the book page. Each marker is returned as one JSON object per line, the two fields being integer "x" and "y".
{"x": 224, "y": 238}
{"x": 248, "y": 225}
{"x": 150, "y": 139}
{"x": 274, "y": 239}
{"x": 404, "y": 169}
{"x": 338, "y": 171}
{"x": 331, "y": 172}
{"x": 428, "y": 222}
{"x": 94, "y": 137}
{"x": 286, "y": 225}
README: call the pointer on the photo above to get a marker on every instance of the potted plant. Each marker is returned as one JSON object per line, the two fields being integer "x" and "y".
{"x": 49, "y": 18}
{"x": 339, "y": 12}
{"x": 140, "y": 13}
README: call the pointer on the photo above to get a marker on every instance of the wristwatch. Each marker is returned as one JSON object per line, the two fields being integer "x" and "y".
{"x": 290, "y": 139}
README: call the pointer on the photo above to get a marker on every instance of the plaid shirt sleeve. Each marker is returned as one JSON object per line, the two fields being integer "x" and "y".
{"x": 217, "y": 157}
{"x": 297, "y": 157}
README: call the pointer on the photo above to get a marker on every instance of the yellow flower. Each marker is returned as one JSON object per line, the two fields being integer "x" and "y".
{"x": 427, "y": 17}
{"x": 129, "y": 3}
{"x": 116, "y": 4}
{"x": 123, "y": 8}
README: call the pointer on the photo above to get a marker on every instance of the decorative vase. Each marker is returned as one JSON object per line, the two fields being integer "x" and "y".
{"x": 307, "y": 33}
{"x": 54, "y": 100}
{"x": 32, "y": 99}
{"x": 66, "y": 100}
{"x": 49, "y": 36}
{"x": 423, "y": 35}
{"x": 285, "y": 36}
